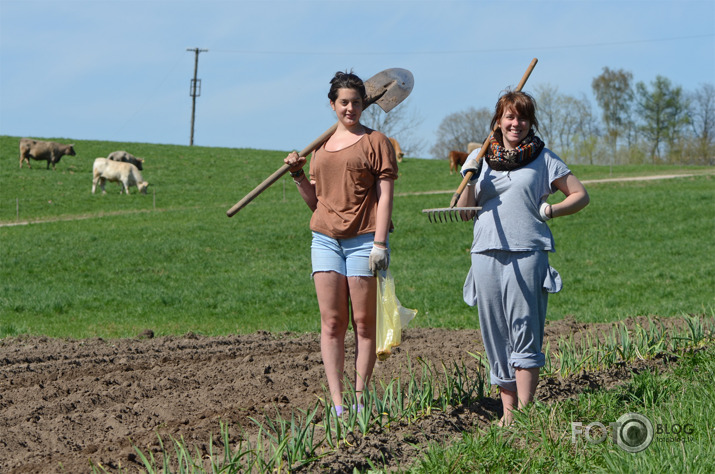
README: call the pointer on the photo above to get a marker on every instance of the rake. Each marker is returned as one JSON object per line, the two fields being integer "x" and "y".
{"x": 451, "y": 214}
{"x": 456, "y": 214}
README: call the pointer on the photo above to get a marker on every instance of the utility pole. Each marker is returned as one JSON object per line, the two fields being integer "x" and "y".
{"x": 195, "y": 90}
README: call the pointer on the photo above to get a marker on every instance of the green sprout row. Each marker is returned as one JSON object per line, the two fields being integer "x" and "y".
{"x": 284, "y": 445}
{"x": 621, "y": 345}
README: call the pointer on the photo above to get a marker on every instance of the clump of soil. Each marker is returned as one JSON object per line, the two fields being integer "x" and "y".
{"x": 64, "y": 402}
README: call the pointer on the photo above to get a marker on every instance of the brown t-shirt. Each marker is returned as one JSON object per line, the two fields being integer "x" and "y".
{"x": 346, "y": 185}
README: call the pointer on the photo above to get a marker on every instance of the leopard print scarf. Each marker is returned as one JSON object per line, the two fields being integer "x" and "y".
{"x": 501, "y": 159}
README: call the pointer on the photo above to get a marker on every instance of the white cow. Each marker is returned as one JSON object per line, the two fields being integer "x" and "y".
{"x": 126, "y": 174}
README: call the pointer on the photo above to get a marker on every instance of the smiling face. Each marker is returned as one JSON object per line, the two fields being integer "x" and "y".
{"x": 514, "y": 128}
{"x": 348, "y": 107}
{"x": 515, "y": 115}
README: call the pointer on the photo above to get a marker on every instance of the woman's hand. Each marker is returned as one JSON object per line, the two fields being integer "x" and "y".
{"x": 379, "y": 258}
{"x": 295, "y": 161}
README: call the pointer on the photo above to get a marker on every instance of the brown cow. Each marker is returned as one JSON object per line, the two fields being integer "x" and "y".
{"x": 398, "y": 150}
{"x": 39, "y": 150}
{"x": 456, "y": 159}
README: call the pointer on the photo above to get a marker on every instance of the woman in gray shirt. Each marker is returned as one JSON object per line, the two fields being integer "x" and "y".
{"x": 510, "y": 277}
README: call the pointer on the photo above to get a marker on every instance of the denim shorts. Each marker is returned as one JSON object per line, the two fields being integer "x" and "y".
{"x": 349, "y": 257}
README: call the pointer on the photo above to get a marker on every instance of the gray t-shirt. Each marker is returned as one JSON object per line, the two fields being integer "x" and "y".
{"x": 510, "y": 200}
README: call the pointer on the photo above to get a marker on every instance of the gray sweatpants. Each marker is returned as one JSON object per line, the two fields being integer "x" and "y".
{"x": 511, "y": 290}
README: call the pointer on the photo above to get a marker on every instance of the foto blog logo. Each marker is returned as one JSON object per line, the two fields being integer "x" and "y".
{"x": 632, "y": 432}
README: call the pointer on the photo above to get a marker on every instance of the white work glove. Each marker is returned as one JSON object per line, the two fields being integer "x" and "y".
{"x": 545, "y": 206}
{"x": 379, "y": 259}
{"x": 470, "y": 164}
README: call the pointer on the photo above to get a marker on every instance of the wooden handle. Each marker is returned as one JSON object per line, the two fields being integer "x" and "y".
{"x": 257, "y": 190}
{"x": 469, "y": 174}
{"x": 483, "y": 149}
{"x": 278, "y": 173}
{"x": 305, "y": 152}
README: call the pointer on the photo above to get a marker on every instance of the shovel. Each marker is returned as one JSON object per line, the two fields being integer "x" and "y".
{"x": 452, "y": 213}
{"x": 386, "y": 89}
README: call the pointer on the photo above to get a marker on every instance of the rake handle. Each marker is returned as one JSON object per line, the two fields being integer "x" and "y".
{"x": 483, "y": 149}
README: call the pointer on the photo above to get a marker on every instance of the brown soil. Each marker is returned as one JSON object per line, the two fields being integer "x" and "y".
{"x": 66, "y": 402}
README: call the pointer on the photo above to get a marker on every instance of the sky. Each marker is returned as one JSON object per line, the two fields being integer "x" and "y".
{"x": 120, "y": 70}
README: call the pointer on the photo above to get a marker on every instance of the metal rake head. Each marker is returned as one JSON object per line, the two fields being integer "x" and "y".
{"x": 451, "y": 214}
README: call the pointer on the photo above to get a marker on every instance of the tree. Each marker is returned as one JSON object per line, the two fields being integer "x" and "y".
{"x": 548, "y": 111}
{"x": 702, "y": 121}
{"x": 586, "y": 131}
{"x": 614, "y": 95}
{"x": 563, "y": 119}
{"x": 458, "y": 129}
{"x": 575, "y": 117}
{"x": 662, "y": 113}
{"x": 399, "y": 123}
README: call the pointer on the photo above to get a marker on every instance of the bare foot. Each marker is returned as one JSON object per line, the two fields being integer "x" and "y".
{"x": 503, "y": 423}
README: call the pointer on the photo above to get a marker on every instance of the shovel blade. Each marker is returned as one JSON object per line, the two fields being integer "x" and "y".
{"x": 389, "y": 88}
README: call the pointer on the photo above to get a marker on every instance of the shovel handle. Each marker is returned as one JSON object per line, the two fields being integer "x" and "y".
{"x": 278, "y": 173}
{"x": 381, "y": 95}
{"x": 483, "y": 149}
{"x": 284, "y": 169}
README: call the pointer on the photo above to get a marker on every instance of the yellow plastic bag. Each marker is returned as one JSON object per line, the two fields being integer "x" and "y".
{"x": 391, "y": 316}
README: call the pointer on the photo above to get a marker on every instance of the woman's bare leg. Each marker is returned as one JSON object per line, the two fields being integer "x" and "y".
{"x": 526, "y": 382}
{"x": 509, "y": 402}
{"x": 363, "y": 297}
{"x": 332, "y": 291}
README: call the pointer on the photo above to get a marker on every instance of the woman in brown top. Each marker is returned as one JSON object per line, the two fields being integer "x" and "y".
{"x": 350, "y": 191}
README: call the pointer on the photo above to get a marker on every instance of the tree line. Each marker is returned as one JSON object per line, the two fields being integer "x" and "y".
{"x": 638, "y": 123}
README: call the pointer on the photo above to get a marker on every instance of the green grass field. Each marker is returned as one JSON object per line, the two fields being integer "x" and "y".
{"x": 78, "y": 265}
{"x": 171, "y": 261}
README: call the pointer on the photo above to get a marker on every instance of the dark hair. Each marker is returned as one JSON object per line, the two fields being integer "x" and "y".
{"x": 521, "y": 102}
{"x": 346, "y": 80}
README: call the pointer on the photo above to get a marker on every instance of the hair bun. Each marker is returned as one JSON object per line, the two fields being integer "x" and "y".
{"x": 338, "y": 76}
{"x": 347, "y": 80}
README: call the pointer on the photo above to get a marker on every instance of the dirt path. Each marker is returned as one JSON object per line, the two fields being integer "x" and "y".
{"x": 63, "y": 402}
{"x": 591, "y": 181}
{"x": 421, "y": 193}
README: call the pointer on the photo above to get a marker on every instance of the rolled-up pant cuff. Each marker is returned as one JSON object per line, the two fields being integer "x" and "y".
{"x": 503, "y": 383}
{"x": 527, "y": 361}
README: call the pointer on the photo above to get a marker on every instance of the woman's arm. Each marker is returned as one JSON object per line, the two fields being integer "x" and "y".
{"x": 467, "y": 199}
{"x": 306, "y": 187}
{"x": 576, "y": 196}
{"x": 385, "y": 192}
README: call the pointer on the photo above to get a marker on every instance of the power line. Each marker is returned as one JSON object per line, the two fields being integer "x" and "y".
{"x": 466, "y": 51}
